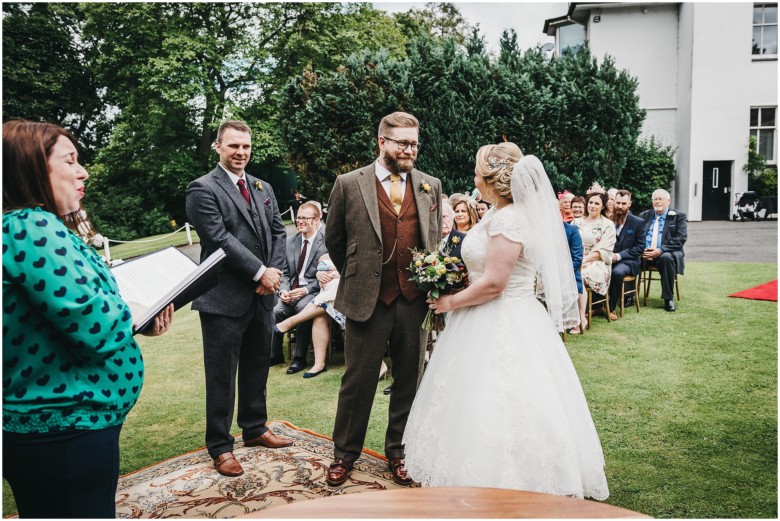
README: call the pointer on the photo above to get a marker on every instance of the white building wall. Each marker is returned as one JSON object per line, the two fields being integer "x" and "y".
{"x": 697, "y": 81}
{"x": 721, "y": 93}
{"x": 684, "y": 191}
{"x": 643, "y": 39}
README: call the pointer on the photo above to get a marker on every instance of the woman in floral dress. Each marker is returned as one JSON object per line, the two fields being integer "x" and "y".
{"x": 598, "y": 241}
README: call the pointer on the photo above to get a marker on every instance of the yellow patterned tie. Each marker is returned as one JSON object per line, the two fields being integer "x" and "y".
{"x": 396, "y": 196}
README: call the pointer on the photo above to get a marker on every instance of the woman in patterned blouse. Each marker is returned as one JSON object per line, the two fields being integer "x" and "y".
{"x": 71, "y": 369}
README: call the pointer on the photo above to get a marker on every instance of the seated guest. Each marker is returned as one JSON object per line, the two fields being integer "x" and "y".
{"x": 465, "y": 214}
{"x": 578, "y": 207}
{"x": 564, "y": 201}
{"x": 665, "y": 234}
{"x": 299, "y": 283}
{"x": 482, "y": 207}
{"x": 611, "y": 193}
{"x": 575, "y": 248}
{"x": 629, "y": 245}
{"x": 451, "y": 238}
{"x": 598, "y": 240}
{"x": 317, "y": 311}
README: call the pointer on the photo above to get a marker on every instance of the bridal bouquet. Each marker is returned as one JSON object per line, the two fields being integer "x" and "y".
{"x": 436, "y": 273}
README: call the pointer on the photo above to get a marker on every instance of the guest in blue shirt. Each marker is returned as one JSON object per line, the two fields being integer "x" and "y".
{"x": 575, "y": 248}
{"x": 666, "y": 231}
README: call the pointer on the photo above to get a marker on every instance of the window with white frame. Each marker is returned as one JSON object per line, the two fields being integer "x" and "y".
{"x": 765, "y": 29}
{"x": 762, "y": 127}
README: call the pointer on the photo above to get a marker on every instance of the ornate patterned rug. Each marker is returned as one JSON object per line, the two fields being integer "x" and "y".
{"x": 189, "y": 486}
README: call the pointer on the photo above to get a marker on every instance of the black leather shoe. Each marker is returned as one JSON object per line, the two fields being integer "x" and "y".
{"x": 312, "y": 375}
{"x": 388, "y": 389}
{"x": 669, "y": 305}
{"x": 297, "y": 366}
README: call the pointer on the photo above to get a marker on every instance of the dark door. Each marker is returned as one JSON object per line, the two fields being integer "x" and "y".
{"x": 716, "y": 203}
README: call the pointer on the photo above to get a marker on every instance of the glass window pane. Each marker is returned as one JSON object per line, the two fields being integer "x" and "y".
{"x": 770, "y": 14}
{"x": 756, "y": 49}
{"x": 767, "y": 117}
{"x": 770, "y": 40}
{"x": 753, "y": 117}
{"x": 757, "y": 14}
{"x": 766, "y": 142}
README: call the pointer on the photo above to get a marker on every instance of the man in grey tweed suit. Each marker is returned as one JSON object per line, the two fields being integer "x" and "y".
{"x": 238, "y": 213}
{"x": 375, "y": 215}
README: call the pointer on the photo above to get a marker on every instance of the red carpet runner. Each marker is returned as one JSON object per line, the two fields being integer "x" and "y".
{"x": 766, "y": 291}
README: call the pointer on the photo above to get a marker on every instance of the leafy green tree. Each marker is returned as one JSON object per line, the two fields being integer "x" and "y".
{"x": 174, "y": 71}
{"x": 761, "y": 179}
{"x": 582, "y": 119}
{"x": 46, "y": 71}
{"x": 649, "y": 166}
{"x": 440, "y": 20}
{"x": 332, "y": 118}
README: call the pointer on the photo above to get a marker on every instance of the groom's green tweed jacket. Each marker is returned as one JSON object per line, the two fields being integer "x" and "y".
{"x": 354, "y": 236}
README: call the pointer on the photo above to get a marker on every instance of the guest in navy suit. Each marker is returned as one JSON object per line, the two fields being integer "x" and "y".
{"x": 666, "y": 231}
{"x": 628, "y": 247}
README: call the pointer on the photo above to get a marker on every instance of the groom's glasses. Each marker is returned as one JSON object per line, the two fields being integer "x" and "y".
{"x": 403, "y": 145}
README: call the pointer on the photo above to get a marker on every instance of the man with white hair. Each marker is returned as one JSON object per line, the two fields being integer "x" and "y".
{"x": 666, "y": 231}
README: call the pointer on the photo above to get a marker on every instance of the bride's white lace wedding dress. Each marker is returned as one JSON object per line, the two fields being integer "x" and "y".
{"x": 500, "y": 404}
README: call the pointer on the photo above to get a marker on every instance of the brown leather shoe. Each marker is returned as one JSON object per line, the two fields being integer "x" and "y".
{"x": 269, "y": 440}
{"x": 398, "y": 469}
{"x": 227, "y": 465}
{"x": 338, "y": 472}
{"x": 613, "y": 316}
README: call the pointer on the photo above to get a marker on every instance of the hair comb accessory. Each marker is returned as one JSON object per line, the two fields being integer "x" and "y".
{"x": 494, "y": 162}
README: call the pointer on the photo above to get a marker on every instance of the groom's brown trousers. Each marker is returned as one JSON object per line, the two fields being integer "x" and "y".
{"x": 366, "y": 342}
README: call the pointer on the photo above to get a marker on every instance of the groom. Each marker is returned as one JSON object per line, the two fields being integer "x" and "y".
{"x": 376, "y": 214}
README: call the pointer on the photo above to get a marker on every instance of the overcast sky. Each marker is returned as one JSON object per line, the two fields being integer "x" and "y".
{"x": 526, "y": 18}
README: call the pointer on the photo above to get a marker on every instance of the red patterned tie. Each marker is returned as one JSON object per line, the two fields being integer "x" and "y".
{"x": 244, "y": 192}
{"x": 301, "y": 260}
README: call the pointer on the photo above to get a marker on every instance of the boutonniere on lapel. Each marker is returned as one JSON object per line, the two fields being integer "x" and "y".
{"x": 455, "y": 240}
{"x": 425, "y": 187}
{"x": 258, "y": 186}
{"x": 671, "y": 213}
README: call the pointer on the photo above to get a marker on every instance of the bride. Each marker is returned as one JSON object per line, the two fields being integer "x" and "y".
{"x": 500, "y": 404}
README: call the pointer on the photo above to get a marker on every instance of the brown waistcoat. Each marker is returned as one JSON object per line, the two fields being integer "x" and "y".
{"x": 403, "y": 231}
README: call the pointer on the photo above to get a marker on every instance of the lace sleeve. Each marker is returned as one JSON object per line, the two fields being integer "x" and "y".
{"x": 507, "y": 223}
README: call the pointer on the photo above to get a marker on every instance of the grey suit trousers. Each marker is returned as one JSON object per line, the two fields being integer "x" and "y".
{"x": 302, "y": 330}
{"x": 236, "y": 345}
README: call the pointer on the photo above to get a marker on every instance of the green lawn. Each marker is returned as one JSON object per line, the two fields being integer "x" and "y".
{"x": 685, "y": 403}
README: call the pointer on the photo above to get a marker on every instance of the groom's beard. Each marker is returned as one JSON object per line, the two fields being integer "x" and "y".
{"x": 619, "y": 215}
{"x": 396, "y": 166}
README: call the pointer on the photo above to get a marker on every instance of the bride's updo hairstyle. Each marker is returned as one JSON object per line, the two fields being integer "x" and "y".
{"x": 495, "y": 164}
